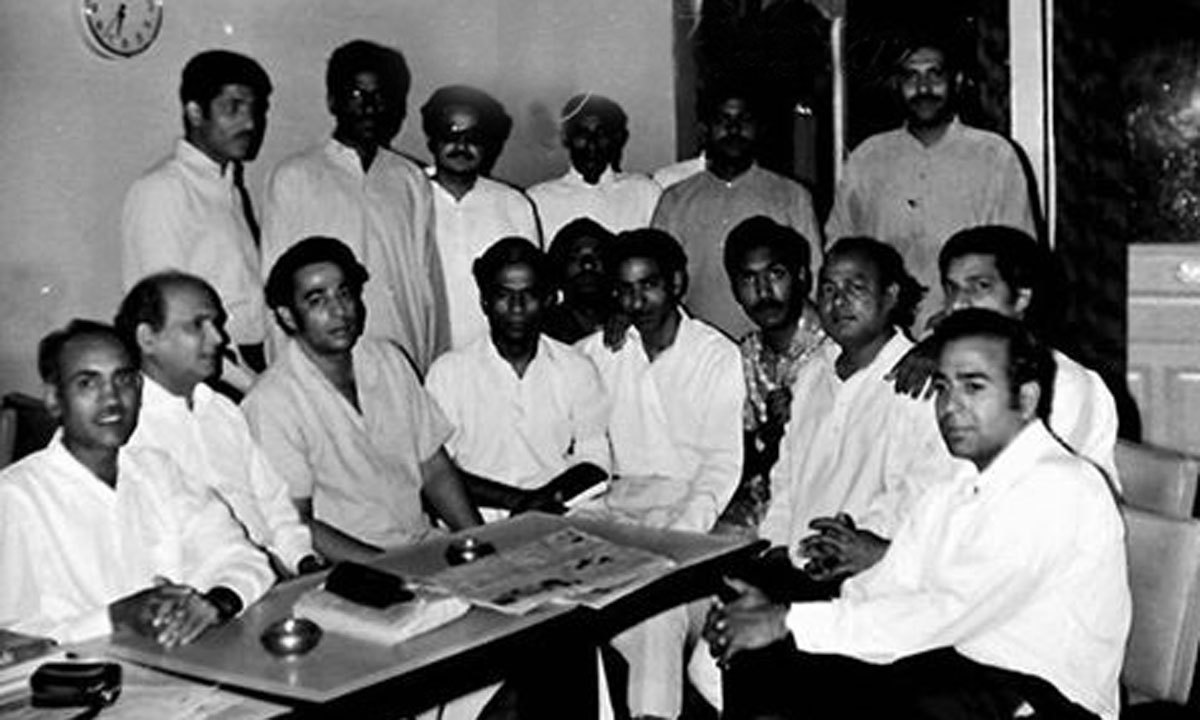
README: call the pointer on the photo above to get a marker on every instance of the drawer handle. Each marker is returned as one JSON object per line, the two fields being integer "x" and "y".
{"x": 1188, "y": 272}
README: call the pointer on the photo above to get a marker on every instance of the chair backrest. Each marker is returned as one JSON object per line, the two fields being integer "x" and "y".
{"x": 33, "y": 425}
{"x": 8, "y": 435}
{"x": 1158, "y": 479}
{"x": 1164, "y": 578}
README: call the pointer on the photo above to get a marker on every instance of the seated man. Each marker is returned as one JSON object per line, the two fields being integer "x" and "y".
{"x": 768, "y": 268}
{"x": 584, "y": 300}
{"x": 344, "y": 419}
{"x": 1002, "y": 269}
{"x": 1003, "y": 595}
{"x": 528, "y": 413}
{"x": 677, "y": 393}
{"x": 177, "y": 323}
{"x": 676, "y": 390}
{"x": 96, "y": 537}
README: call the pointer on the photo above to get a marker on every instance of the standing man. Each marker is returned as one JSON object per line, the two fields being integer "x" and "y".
{"x": 344, "y": 419}
{"x": 1003, "y": 595}
{"x": 917, "y": 185}
{"x": 528, "y": 412}
{"x": 768, "y": 268}
{"x": 192, "y": 212}
{"x": 702, "y": 210}
{"x": 97, "y": 537}
{"x": 465, "y": 130}
{"x": 177, "y": 323}
{"x": 594, "y": 130}
{"x": 355, "y": 187}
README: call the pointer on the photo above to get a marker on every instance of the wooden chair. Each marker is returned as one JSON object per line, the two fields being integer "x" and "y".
{"x": 1164, "y": 577}
{"x": 1158, "y": 479}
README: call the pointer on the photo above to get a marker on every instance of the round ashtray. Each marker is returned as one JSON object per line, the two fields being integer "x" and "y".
{"x": 291, "y": 636}
{"x": 468, "y": 549}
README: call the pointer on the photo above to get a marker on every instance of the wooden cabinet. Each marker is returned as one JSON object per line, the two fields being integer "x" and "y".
{"x": 1164, "y": 342}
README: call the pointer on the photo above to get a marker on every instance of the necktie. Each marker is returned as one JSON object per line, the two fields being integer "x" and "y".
{"x": 239, "y": 182}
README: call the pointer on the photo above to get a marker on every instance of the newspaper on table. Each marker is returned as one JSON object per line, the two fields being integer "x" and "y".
{"x": 567, "y": 565}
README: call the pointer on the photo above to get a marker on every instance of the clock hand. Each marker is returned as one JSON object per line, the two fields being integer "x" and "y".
{"x": 120, "y": 19}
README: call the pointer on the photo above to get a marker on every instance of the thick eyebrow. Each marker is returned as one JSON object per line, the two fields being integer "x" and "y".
{"x": 80, "y": 374}
{"x": 973, "y": 375}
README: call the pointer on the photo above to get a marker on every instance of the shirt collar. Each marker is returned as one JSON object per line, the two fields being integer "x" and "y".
{"x": 738, "y": 180}
{"x": 608, "y": 177}
{"x": 194, "y": 158}
{"x": 953, "y": 130}
{"x": 1012, "y": 463}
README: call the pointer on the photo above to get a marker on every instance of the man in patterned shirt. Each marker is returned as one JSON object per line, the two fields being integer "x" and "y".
{"x": 768, "y": 267}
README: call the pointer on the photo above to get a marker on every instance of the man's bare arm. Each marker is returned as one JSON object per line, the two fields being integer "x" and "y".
{"x": 445, "y": 492}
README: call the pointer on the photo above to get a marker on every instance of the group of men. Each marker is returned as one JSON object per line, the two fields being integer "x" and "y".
{"x": 409, "y": 358}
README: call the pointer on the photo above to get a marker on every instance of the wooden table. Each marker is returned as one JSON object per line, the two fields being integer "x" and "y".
{"x": 479, "y": 648}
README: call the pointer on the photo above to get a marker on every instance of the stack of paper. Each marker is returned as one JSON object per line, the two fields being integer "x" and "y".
{"x": 389, "y": 625}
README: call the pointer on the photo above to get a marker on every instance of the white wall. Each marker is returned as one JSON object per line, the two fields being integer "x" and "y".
{"x": 76, "y": 129}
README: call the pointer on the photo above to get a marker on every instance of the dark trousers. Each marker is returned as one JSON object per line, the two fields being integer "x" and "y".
{"x": 779, "y": 682}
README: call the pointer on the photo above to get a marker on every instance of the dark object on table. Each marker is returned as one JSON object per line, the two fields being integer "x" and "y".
{"x": 366, "y": 585}
{"x": 291, "y": 636}
{"x": 76, "y": 684}
{"x": 467, "y": 550}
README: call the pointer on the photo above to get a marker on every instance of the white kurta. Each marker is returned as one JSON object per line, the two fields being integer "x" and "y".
{"x": 213, "y": 441}
{"x": 465, "y": 228}
{"x": 853, "y": 446}
{"x": 676, "y": 422}
{"x": 1083, "y": 414}
{"x": 1020, "y": 567}
{"x": 386, "y": 217}
{"x": 71, "y": 545}
{"x": 521, "y": 431}
{"x": 185, "y": 214}
{"x": 361, "y": 470}
{"x": 618, "y": 201}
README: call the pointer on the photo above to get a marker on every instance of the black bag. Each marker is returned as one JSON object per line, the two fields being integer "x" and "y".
{"x": 76, "y": 684}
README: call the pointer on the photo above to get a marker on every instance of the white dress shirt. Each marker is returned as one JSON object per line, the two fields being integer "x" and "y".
{"x": 362, "y": 470}
{"x": 676, "y": 422}
{"x": 186, "y": 214}
{"x": 465, "y": 228}
{"x": 1084, "y": 415}
{"x": 70, "y": 545}
{"x": 386, "y": 217}
{"x": 1021, "y": 566}
{"x": 521, "y": 431}
{"x": 618, "y": 201}
{"x": 853, "y": 446}
{"x": 213, "y": 441}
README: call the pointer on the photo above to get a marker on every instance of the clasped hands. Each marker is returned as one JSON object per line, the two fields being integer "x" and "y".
{"x": 170, "y": 613}
{"x": 838, "y": 548}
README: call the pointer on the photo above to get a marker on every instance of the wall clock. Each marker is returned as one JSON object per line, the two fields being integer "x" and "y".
{"x": 120, "y": 28}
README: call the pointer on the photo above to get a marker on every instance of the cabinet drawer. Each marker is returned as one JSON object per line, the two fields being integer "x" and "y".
{"x": 1164, "y": 270}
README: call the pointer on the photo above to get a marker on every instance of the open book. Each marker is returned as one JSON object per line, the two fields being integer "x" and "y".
{"x": 566, "y": 565}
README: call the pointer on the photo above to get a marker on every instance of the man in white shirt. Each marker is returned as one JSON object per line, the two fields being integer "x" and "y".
{"x": 677, "y": 391}
{"x": 702, "y": 210}
{"x": 528, "y": 412}
{"x": 1003, "y": 269}
{"x": 192, "y": 212}
{"x": 594, "y": 130}
{"x": 356, "y": 188}
{"x": 465, "y": 130}
{"x": 177, "y": 323}
{"x": 344, "y": 419}
{"x": 914, "y": 186}
{"x": 1003, "y": 595}
{"x": 98, "y": 538}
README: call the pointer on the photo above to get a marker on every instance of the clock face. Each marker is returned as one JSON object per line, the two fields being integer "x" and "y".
{"x": 121, "y": 28}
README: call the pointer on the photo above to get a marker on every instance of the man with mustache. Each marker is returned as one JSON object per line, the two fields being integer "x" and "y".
{"x": 177, "y": 323}
{"x": 344, "y": 418}
{"x": 575, "y": 264}
{"x": 701, "y": 210}
{"x": 768, "y": 267}
{"x": 98, "y": 537}
{"x": 192, "y": 212}
{"x": 917, "y": 185}
{"x": 594, "y": 132}
{"x": 466, "y": 129}
{"x": 677, "y": 393}
{"x": 356, "y": 188}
